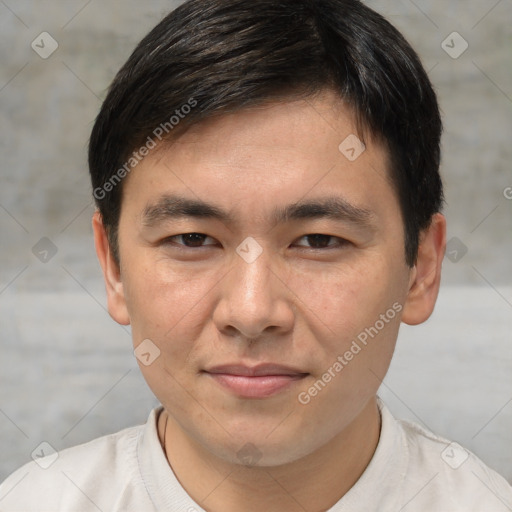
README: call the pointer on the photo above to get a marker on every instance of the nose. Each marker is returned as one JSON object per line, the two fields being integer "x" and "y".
{"x": 255, "y": 300}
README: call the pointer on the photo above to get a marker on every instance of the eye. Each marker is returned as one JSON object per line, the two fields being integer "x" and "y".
{"x": 188, "y": 240}
{"x": 319, "y": 241}
{"x": 314, "y": 241}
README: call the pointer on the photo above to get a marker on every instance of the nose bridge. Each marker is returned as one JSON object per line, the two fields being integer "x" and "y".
{"x": 252, "y": 274}
{"x": 253, "y": 299}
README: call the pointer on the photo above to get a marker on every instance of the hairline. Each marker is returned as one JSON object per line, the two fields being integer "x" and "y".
{"x": 363, "y": 130}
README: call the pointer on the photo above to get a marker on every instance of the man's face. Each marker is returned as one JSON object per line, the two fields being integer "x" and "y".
{"x": 300, "y": 303}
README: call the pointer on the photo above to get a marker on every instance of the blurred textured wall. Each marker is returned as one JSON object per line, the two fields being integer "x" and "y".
{"x": 67, "y": 373}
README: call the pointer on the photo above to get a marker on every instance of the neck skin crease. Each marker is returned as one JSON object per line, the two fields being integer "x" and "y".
{"x": 313, "y": 483}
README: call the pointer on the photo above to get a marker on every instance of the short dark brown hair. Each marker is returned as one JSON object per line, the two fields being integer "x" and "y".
{"x": 212, "y": 57}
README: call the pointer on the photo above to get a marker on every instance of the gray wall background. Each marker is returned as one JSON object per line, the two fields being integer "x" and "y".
{"x": 67, "y": 372}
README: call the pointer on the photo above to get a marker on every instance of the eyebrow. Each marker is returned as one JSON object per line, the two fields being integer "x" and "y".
{"x": 170, "y": 207}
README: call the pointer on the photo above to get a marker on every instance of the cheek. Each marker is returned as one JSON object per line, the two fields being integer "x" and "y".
{"x": 346, "y": 298}
{"x": 353, "y": 312}
{"x": 164, "y": 301}
{"x": 168, "y": 307}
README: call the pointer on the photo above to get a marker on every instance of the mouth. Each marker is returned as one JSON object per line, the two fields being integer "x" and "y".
{"x": 259, "y": 381}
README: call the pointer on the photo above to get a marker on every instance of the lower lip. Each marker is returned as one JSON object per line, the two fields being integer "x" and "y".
{"x": 255, "y": 387}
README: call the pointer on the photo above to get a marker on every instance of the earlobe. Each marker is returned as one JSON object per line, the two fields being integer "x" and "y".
{"x": 111, "y": 273}
{"x": 426, "y": 274}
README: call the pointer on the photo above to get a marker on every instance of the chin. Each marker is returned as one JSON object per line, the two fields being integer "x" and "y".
{"x": 259, "y": 449}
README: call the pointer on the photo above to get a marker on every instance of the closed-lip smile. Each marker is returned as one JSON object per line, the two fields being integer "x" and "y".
{"x": 259, "y": 381}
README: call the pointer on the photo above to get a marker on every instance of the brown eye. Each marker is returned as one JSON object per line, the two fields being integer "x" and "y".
{"x": 320, "y": 241}
{"x": 189, "y": 240}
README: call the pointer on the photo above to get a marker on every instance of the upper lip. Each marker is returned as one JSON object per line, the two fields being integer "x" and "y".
{"x": 255, "y": 371}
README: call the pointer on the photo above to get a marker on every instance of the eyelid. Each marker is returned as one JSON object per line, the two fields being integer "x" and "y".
{"x": 340, "y": 242}
{"x": 169, "y": 240}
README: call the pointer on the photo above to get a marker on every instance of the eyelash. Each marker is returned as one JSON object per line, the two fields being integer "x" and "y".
{"x": 341, "y": 241}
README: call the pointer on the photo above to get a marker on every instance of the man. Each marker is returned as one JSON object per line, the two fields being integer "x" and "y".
{"x": 266, "y": 177}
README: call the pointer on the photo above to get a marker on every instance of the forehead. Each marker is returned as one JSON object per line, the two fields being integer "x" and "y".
{"x": 262, "y": 157}
{"x": 288, "y": 126}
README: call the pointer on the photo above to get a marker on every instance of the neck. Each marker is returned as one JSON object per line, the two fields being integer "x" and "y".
{"x": 314, "y": 483}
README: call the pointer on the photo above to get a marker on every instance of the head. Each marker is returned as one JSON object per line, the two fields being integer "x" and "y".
{"x": 289, "y": 119}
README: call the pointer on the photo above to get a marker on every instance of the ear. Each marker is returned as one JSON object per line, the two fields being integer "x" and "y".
{"x": 426, "y": 273}
{"x": 111, "y": 273}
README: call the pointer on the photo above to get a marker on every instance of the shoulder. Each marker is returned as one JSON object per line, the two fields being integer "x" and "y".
{"x": 442, "y": 472}
{"x": 84, "y": 477}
